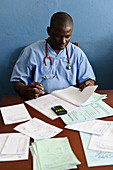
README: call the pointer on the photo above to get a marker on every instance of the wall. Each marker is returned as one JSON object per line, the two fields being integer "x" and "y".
{"x": 23, "y": 22}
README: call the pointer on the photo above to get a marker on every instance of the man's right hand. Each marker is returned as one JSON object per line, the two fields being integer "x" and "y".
{"x": 31, "y": 91}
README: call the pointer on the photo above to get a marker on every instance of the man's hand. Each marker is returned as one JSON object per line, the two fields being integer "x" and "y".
{"x": 31, "y": 91}
{"x": 86, "y": 83}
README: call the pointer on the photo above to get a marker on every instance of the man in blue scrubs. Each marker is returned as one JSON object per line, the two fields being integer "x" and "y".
{"x": 34, "y": 75}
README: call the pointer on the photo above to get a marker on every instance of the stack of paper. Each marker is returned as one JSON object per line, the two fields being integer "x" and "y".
{"x": 100, "y": 152}
{"x": 55, "y": 154}
{"x": 98, "y": 147}
{"x": 14, "y": 146}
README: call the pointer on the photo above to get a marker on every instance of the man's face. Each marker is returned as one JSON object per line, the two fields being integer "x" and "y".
{"x": 60, "y": 37}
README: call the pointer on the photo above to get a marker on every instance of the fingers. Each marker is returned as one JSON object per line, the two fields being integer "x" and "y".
{"x": 38, "y": 85}
{"x": 86, "y": 83}
{"x": 34, "y": 90}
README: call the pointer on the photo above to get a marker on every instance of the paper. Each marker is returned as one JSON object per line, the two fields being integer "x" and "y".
{"x": 14, "y": 146}
{"x": 38, "y": 129}
{"x": 44, "y": 103}
{"x": 74, "y": 95}
{"x": 95, "y": 158}
{"x": 69, "y": 98}
{"x": 36, "y": 165}
{"x": 15, "y": 114}
{"x": 103, "y": 142}
{"x": 98, "y": 127}
{"x": 94, "y": 98}
{"x": 55, "y": 154}
{"x": 89, "y": 112}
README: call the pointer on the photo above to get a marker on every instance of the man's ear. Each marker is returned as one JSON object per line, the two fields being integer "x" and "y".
{"x": 49, "y": 31}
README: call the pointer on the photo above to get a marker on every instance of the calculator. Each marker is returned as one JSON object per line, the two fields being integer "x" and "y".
{"x": 59, "y": 110}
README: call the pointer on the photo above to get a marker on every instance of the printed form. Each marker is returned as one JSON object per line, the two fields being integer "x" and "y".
{"x": 14, "y": 146}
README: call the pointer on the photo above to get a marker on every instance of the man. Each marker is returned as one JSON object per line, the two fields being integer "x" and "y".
{"x": 52, "y": 64}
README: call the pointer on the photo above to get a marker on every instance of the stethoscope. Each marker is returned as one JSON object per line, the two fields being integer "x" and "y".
{"x": 51, "y": 62}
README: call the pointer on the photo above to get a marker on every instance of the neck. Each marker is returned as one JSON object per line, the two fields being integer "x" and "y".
{"x": 55, "y": 49}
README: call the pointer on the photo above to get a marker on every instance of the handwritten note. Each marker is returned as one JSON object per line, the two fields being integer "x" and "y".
{"x": 103, "y": 142}
{"x": 38, "y": 129}
{"x": 14, "y": 114}
{"x": 98, "y": 127}
{"x": 95, "y": 158}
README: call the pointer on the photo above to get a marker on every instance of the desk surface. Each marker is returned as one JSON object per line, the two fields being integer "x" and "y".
{"x": 73, "y": 136}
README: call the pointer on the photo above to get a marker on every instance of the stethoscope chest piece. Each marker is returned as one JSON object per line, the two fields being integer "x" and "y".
{"x": 68, "y": 67}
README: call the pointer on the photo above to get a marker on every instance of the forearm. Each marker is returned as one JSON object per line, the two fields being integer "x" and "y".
{"x": 20, "y": 88}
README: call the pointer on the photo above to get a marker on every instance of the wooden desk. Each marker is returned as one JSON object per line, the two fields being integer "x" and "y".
{"x": 73, "y": 136}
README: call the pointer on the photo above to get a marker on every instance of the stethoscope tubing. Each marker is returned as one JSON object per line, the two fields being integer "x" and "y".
{"x": 51, "y": 61}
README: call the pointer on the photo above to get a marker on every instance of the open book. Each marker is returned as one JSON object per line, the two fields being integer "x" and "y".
{"x": 69, "y": 98}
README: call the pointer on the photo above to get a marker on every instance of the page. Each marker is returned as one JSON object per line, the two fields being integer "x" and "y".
{"x": 36, "y": 165}
{"x": 94, "y": 98}
{"x": 55, "y": 154}
{"x": 89, "y": 112}
{"x": 74, "y": 95}
{"x": 93, "y": 157}
{"x": 14, "y": 114}
{"x": 14, "y": 146}
{"x": 44, "y": 103}
{"x": 98, "y": 127}
{"x": 103, "y": 142}
{"x": 38, "y": 129}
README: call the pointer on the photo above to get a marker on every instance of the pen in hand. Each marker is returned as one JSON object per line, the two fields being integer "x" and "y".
{"x": 37, "y": 85}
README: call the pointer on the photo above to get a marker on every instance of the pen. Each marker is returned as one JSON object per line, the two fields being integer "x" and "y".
{"x": 30, "y": 82}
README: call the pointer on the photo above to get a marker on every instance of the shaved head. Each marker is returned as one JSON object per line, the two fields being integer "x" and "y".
{"x": 60, "y": 31}
{"x": 61, "y": 19}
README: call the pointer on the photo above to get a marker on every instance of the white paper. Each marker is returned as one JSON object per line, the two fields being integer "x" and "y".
{"x": 103, "y": 142}
{"x": 97, "y": 127}
{"x": 74, "y": 95}
{"x": 14, "y": 146}
{"x": 14, "y": 114}
{"x": 44, "y": 103}
{"x": 70, "y": 98}
{"x": 38, "y": 129}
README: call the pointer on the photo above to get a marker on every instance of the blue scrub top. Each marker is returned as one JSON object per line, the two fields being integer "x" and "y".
{"x": 30, "y": 66}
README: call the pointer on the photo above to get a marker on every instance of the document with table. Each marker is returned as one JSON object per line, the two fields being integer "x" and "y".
{"x": 88, "y": 112}
{"x": 14, "y": 146}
